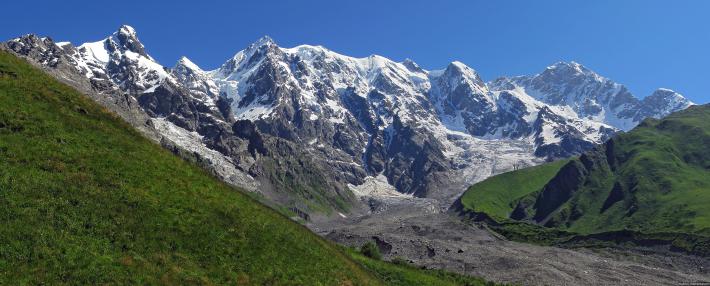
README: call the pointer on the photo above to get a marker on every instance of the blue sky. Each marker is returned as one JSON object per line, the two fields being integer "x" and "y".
{"x": 642, "y": 44}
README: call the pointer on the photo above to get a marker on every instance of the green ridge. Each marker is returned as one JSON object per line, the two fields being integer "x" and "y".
{"x": 650, "y": 183}
{"x": 496, "y": 195}
{"x": 655, "y": 178}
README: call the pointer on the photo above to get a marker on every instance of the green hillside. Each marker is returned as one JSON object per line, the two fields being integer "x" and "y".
{"x": 496, "y": 195}
{"x": 653, "y": 179}
{"x": 85, "y": 199}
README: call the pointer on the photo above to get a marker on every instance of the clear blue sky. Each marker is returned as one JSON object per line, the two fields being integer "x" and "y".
{"x": 643, "y": 44}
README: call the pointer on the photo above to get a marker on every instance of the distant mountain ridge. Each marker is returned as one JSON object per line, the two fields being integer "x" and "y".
{"x": 592, "y": 96}
{"x": 321, "y": 124}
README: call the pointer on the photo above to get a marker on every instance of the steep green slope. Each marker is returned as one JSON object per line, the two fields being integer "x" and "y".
{"x": 84, "y": 199}
{"x": 653, "y": 179}
{"x": 496, "y": 195}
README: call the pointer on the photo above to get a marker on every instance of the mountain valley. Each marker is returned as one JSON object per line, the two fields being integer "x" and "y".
{"x": 373, "y": 150}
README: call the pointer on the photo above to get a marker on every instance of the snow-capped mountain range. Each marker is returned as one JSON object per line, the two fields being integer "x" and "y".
{"x": 306, "y": 124}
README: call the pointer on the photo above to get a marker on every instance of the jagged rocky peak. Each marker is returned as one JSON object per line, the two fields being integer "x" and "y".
{"x": 568, "y": 73}
{"x": 662, "y": 102}
{"x": 42, "y": 49}
{"x": 412, "y": 66}
{"x": 248, "y": 57}
{"x": 458, "y": 71}
{"x": 128, "y": 40}
{"x": 565, "y": 82}
{"x": 29, "y": 42}
{"x": 459, "y": 81}
{"x": 263, "y": 41}
{"x": 185, "y": 65}
{"x": 123, "y": 40}
{"x": 569, "y": 68}
{"x": 191, "y": 76}
{"x": 668, "y": 95}
{"x": 120, "y": 59}
{"x": 590, "y": 86}
{"x": 31, "y": 39}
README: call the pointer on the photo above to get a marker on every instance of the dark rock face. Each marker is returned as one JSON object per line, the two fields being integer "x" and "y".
{"x": 546, "y": 207}
{"x": 128, "y": 40}
{"x": 413, "y": 156}
{"x": 559, "y": 190}
{"x": 616, "y": 195}
{"x": 460, "y": 89}
{"x": 571, "y": 140}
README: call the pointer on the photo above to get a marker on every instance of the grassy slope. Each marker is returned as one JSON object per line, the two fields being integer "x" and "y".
{"x": 84, "y": 199}
{"x": 495, "y": 195}
{"x": 662, "y": 168}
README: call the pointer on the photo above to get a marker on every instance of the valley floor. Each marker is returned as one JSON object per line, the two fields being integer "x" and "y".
{"x": 432, "y": 238}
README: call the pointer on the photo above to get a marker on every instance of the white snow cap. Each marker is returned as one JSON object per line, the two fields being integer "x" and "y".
{"x": 184, "y": 61}
{"x": 468, "y": 71}
{"x": 128, "y": 30}
{"x": 663, "y": 89}
{"x": 265, "y": 40}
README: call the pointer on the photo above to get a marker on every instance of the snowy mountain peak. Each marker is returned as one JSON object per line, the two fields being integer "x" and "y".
{"x": 667, "y": 93}
{"x": 185, "y": 63}
{"x": 120, "y": 59}
{"x": 662, "y": 102}
{"x": 458, "y": 73}
{"x": 127, "y": 38}
{"x": 412, "y": 66}
{"x": 247, "y": 58}
{"x": 127, "y": 30}
{"x": 459, "y": 68}
{"x": 569, "y": 70}
{"x": 672, "y": 96}
{"x": 263, "y": 41}
{"x": 564, "y": 65}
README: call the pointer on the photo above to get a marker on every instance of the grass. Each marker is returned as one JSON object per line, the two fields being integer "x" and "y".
{"x": 660, "y": 173}
{"x": 85, "y": 199}
{"x": 496, "y": 195}
{"x": 647, "y": 186}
